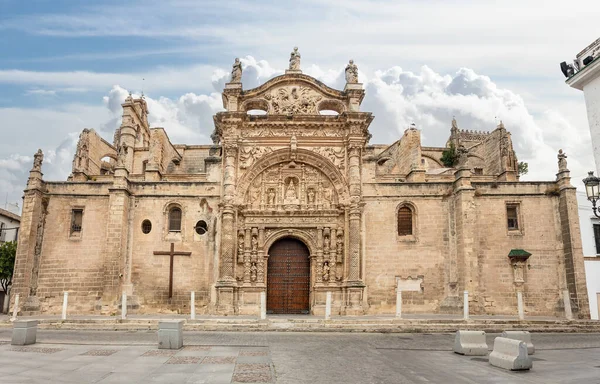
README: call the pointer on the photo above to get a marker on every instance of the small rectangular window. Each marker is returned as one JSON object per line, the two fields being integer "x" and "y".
{"x": 597, "y": 237}
{"x": 76, "y": 221}
{"x": 512, "y": 214}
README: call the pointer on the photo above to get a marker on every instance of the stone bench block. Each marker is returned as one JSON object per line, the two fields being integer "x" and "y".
{"x": 510, "y": 354}
{"x": 470, "y": 343}
{"x": 523, "y": 336}
{"x": 24, "y": 332}
{"x": 170, "y": 334}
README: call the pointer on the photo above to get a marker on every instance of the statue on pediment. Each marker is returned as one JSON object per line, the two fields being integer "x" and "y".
{"x": 295, "y": 60}
{"x": 236, "y": 71}
{"x": 351, "y": 73}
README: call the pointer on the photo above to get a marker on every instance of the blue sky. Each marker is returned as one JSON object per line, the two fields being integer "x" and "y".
{"x": 65, "y": 65}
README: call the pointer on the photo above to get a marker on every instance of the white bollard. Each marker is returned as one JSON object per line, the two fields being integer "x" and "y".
{"x": 263, "y": 305}
{"x": 520, "y": 306}
{"x": 15, "y": 308}
{"x": 328, "y": 306}
{"x": 65, "y": 301}
{"x": 567, "y": 300}
{"x": 193, "y": 306}
{"x": 399, "y": 304}
{"x": 124, "y": 306}
{"x": 466, "y": 305}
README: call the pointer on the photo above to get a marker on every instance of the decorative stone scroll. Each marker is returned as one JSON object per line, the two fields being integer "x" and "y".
{"x": 336, "y": 155}
{"x": 248, "y": 155}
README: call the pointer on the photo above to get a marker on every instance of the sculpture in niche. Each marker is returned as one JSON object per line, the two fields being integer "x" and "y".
{"x": 240, "y": 245}
{"x": 326, "y": 270}
{"x": 271, "y": 196}
{"x": 38, "y": 159}
{"x": 293, "y": 100}
{"x": 254, "y": 243}
{"x": 291, "y": 196}
{"x": 254, "y": 193}
{"x": 236, "y": 71}
{"x": 327, "y": 197}
{"x": 339, "y": 247}
{"x": 310, "y": 196}
{"x": 295, "y": 60}
{"x": 253, "y": 272}
{"x": 326, "y": 243}
{"x": 351, "y": 73}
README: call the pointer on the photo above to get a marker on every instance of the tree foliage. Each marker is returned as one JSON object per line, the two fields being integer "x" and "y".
{"x": 8, "y": 251}
{"x": 523, "y": 168}
{"x": 449, "y": 156}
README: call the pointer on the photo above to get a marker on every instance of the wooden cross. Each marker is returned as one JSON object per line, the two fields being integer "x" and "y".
{"x": 172, "y": 253}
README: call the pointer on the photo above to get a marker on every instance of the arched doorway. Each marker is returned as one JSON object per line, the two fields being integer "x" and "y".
{"x": 288, "y": 277}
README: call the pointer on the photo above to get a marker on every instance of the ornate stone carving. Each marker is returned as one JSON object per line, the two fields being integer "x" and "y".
{"x": 286, "y": 131}
{"x": 122, "y": 153}
{"x": 295, "y": 60}
{"x": 81, "y": 160}
{"x": 236, "y": 71}
{"x": 291, "y": 100}
{"x": 336, "y": 155}
{"x": 351, "y": 73}
{"x": 340, "y": 247}
{"x": 253, "y": 272}
{"x": 38, "y": 159}
{"x": 248, "y": 155}
{"x": 326, "y": 271}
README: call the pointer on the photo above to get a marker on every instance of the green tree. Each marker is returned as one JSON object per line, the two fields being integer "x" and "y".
{"x": 523, "y": 168}
{"x": 8, "y": 251}
{"x": 449, "y": 156}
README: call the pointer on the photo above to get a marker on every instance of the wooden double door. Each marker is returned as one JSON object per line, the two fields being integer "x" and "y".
{"x": 288, "y": 277}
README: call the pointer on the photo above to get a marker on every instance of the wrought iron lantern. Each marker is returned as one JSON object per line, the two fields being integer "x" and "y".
{"x": 592, "y": 184}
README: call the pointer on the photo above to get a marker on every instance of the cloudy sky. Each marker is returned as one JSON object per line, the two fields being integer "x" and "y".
{"x": 66, "y": 66}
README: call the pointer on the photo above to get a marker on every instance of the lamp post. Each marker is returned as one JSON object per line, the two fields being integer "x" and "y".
{"x": 592, "y": 184}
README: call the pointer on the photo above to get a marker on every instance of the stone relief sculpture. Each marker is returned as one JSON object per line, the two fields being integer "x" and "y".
{"x": 38, "y": 159}
{"x": 248, "y": 155}
{"x": 295, "y": 60}
{"x": 291, "y": 196}
{"x": 327, "y": 197}
{"x": 240, "y": 246}
{"x": 340, "y": 247}
{"x": 335, "y": 155}
{"x": 253, "y": 272}
{"x": 254, "y": 243}
{"x": 293, "y": 100}
{"x": 236, "y": 71}
{"x": 351, "y": 73}
{"x": 326, "y": 271}
{"x": 310, "y": 196}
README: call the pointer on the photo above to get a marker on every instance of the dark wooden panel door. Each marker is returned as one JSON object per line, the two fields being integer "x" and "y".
{"x": 288, "y": 277}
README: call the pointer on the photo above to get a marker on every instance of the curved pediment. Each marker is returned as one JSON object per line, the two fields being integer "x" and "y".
{"x": 294, "y": 94}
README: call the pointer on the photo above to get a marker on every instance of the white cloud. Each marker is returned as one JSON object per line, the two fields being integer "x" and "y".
{"x": 396, "y": 97}
{"x": 40, "y": 92}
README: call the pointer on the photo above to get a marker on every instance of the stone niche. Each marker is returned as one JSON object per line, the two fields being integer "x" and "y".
{"x": 518, "y": 260}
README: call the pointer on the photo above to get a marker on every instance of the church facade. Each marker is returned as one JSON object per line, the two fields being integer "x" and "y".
{"x": 294, "y": 202}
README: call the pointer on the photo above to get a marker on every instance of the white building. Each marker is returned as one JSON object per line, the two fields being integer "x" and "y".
{"x": 9, "y": 226}
{"x": 585, "y": 76}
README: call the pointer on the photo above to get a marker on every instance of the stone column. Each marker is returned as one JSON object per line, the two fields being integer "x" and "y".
{"x": 319, "y": 266}
{"x": 226, "y": 282}
{"x": 260, "y": 278}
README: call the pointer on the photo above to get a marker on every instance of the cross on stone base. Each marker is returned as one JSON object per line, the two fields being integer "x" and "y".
{"x": 172, "y": 253}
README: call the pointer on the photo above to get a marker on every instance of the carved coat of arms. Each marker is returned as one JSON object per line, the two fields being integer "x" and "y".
{"x": 293, "y": 100}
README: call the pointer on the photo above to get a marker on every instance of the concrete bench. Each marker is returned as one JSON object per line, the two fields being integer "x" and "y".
{"x": 470, "y": 343}
{"x": 523, "y": 336}
{"x": 170, "y": 334}
{"x": 24, "y": 332}
{"x": 510, "y": 354}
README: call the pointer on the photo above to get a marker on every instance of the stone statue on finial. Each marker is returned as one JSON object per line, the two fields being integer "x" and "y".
{"x": 38, "y": 158}
{"x": 295, "y": 60}
{"x": 462, "y": 155}
{"x": 562, "y": 161}
{"x": 351, "y": 73}
{"x": 236, "y": 71}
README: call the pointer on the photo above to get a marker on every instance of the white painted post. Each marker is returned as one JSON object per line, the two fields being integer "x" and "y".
{"x": 399, "y": 303}
{"x": 64, "y": 309}
{"x": 328, "y": 306}
{"x": 520, "y": 305}
{"x": 124, "y": 306}
{"x": 15, "y": 308}
{"x": 263, "y": 305}
{"x": 466, "y": 305}
{"x": 567, "y": 300}
{"x": 193, "y": 306}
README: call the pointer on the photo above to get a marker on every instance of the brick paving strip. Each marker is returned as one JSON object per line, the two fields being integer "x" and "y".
{"x": 252, "y": 373}
{"x": 196, "y": 348}
{"x": 219, "y": 360}
{"x": 184, "y": 360}
{"x": 160, "y": 352}
{"x": 100, "y": 352}
{"x": 36, "y": 349}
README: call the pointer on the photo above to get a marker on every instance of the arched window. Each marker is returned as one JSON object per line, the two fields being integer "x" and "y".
{"x": 175, "y": 219}
{"x": 405, "y": 221}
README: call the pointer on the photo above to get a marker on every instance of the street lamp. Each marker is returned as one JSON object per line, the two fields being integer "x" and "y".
{"x": 592, "y": 184}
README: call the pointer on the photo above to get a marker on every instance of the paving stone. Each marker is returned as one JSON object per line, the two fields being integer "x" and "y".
{"x": 196, "y": 348}
{"x": 245, "y": 352}
{"x": 253, "y": 359}
{"x": 100, "y": 352}
{"x": 219, "y": 360}
{"x": 160, "y": 352}
{"x": 252, "y": 377}
{"x": 184, "y": 360}
{"x": 36, "y": 349}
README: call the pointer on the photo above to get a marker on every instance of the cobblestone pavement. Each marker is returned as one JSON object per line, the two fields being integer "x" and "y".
{"x": 265, "y": 357}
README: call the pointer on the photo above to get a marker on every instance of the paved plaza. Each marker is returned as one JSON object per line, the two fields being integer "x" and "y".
{"x": 62, "y": 356}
